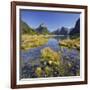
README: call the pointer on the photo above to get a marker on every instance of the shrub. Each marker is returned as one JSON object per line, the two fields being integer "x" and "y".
{"x": 50, "y": 56}
{"x": 48, "y": 71}
{"x": 54, "y": 65}
{"x": 38, "y": 71}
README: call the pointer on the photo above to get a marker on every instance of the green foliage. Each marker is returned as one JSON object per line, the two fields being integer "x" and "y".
{"x": 45, "y": 31}
{"x": 48, "y": 71}
{"x": 50, "y": 56}
{"x": 26, "y": 29}
{"x": 71, "y": 43}
{"x": 52, "y": 62}
{"x": 38, "y": 71}
{"x": 78, "y": 73}
{"x": 32, "y": 41}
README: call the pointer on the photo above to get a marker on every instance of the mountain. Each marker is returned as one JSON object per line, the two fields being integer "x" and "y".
{"x": 62, "y": 31}
{"x": 42, "y": 29}
{"x": 56, "y": 31}
{"x": 76, "y": 29}
{"x": 26, "y": 29}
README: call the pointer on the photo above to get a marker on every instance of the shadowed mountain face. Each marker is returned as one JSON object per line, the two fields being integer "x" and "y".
{"x": 76, "y": 29}
{"x": 42, "y": 29}
{"x": 66, "y": 31}
{"x": 62, "y": 31}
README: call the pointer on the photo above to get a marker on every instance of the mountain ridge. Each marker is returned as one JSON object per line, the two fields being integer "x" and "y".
{"x": 42, "y": 29}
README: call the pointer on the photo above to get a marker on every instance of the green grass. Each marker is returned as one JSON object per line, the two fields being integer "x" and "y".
{"x": 71, "y": 43}
{"x": 32, "y": 41}
{"x": 50, "y": 56}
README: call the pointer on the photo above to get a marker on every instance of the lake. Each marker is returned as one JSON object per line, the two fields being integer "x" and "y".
{"x": 31, "y": 57}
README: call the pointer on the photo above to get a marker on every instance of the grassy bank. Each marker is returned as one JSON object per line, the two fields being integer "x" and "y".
{"x": 71, "y": 43}
{"x": 32, "y": 41}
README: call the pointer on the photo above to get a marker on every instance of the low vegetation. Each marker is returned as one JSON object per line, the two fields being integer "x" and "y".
{"x": 51, "y": 64}
{"x": 51, "y": 56}
{"x": 71, "y": 43}
{"x": 32, "y": 41}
